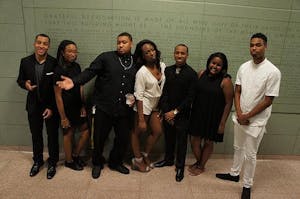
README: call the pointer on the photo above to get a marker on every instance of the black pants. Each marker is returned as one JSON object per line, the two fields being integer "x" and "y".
{"x": 103, "y": 125}
{"x": 176, "y": 134}
{"x": 36, "y": 122}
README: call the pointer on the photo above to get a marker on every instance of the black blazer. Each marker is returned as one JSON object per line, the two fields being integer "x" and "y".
{"x": 27, "y": 72}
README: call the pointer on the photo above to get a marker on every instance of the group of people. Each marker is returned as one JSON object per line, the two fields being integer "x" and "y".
{"x": 136, "y": 93}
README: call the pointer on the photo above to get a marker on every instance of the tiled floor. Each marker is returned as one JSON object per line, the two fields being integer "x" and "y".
{"x": 276, "y": 177}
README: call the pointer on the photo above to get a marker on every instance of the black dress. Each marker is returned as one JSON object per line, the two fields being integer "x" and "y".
{"x": 208, "y": 107}
{"x": 71, "y": 98}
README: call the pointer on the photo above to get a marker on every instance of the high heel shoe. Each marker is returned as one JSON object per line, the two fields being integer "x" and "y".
{"x": 139, "y": 166}
{"x": 147, "y": 160}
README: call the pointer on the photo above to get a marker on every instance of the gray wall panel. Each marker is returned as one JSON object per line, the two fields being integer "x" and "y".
{"x": 15, "y": 135}
{"x": 277, "y": 144}
{"x": 10, "y": 91}
{"x": 256, "y": 3}
{"x": 10, "y": 63}
{"x": 13, "y": 113}
{"x": 297, "y": 144}
{"x": 11, "y": 12}
{"x": 296, "y": 5}
{"x": 12, "y": 38}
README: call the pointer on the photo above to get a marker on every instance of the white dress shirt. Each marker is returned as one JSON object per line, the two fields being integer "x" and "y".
{"x": 148, "y": 89}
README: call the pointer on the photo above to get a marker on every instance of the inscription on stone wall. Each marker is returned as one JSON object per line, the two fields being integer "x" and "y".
{"x": 95, "y": 31}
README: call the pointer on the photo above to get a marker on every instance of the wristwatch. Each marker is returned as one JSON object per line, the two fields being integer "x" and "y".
{"x": 175, "y": 111}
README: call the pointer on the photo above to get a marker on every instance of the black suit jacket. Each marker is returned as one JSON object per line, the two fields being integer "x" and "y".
{"x": 27, "y": 72}
{"x": 178, "y": 90}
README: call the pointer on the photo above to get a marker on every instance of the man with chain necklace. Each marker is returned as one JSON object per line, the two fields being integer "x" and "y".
{"x": 115, "y": 73}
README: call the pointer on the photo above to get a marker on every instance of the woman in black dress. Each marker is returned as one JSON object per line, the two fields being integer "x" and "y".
{"x": 70, "y": 104}
{"x": 211, "y": 107}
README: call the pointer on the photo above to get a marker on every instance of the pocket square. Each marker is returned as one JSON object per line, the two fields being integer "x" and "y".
{"x": 50, "y": 73}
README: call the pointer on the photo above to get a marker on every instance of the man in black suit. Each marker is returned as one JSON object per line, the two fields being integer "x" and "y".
{"x": 175, "y": 104}
{"x": 36, "y": 76}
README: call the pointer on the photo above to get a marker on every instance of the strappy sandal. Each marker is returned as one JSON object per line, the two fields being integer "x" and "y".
{"x": 139, "y": 166}
{"x": 193, "y": 166}
{"x": 147, "y": 161}
{"x": 196, "y": 170}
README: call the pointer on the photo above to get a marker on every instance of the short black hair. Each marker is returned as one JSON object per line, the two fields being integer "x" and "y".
{"x": 125, "y": 34}
{"x": 42, "y": 35}
{"x": 261, "y": 36}
{"x": 187, "y": 48}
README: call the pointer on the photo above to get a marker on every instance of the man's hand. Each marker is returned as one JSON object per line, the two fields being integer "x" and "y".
{"x": 169, "y": 116}
{"x": 66, "y": 83}
{"x": 47, "y": 113}
{"x": 30, "y": 87}
{"x": 243, "y": 119}
{"x": 82, "y": 112}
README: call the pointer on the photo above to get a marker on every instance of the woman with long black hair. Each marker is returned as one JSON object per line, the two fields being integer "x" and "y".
{"x": 70, "y": 104}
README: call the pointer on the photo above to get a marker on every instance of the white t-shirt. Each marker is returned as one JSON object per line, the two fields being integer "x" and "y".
{"x": 257, "y": 81}
{"x": 148, "y": 89}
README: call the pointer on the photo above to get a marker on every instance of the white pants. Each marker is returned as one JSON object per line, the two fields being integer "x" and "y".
{"x": 245, "y": 150}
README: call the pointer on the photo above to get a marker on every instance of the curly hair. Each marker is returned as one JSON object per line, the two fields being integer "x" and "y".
{"x": 223, "y": 57}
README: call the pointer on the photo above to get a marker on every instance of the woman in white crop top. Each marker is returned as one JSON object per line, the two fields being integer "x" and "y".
{"x": 149, "y": 83}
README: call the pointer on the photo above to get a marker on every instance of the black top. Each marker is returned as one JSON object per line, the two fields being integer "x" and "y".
{"x": 72, "y": 97}
{"x": 208, "y": 108}
{"x": 178, "y": 90}
{"x": 46, "y": 97}
{"x": 39, "y": 68}
{"x": 113, "y": 82}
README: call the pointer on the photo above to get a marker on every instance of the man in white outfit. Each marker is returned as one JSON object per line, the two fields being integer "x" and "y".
{"x": 257, "y": 83}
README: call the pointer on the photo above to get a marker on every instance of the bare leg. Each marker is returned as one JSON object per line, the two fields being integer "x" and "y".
{"x": 207, "y": 149}
{"x": 138, "y": 160}
{"x": 156, "y": 131}
{"x": 135, "y": 137}
{"x": 206, "y": 152}
{"x": 196, "y": 147}
{"x": 68, "y": 137}
{"x": 83, "y": 139}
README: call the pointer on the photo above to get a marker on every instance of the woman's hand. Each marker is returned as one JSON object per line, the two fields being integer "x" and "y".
{"x": 65, "y": 123}
{"x": 221, "y": 129}
{"x": 142, "y": 125}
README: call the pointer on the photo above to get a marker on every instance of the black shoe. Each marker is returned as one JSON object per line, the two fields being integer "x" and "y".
{"x": 120, "y": 168}
{"x": 35, "y": 168}
{"x": 227, "y": 176}
{"x": 79, "y": 161}
{"x": 163, "y": 163}
{"x": 51, "y": 171}
{"x": 96, "y": 171}
{"x": 179, "y": 174}
{"x": 73, "y": 165}
{"x": 246, "y": 193}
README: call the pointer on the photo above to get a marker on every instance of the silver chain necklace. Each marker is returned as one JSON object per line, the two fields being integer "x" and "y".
{"x": 126, "y": 67}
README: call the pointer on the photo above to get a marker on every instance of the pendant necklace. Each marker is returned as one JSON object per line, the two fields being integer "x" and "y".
{"x": 126, "y": 63}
